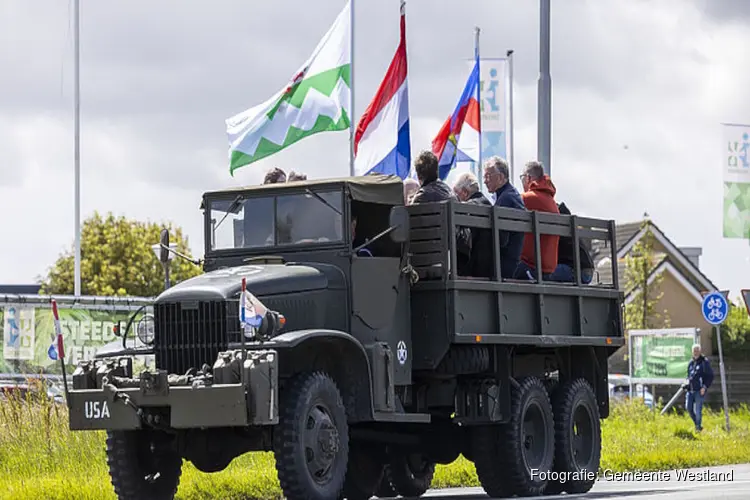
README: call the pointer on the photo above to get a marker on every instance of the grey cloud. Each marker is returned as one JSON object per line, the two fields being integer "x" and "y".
{"x": 732, "y": 11}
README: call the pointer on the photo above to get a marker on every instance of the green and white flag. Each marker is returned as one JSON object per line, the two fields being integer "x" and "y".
{"x": 317, "y": 99}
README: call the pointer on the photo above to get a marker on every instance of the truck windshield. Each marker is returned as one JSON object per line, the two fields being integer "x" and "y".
{"x": 293, "y": 219}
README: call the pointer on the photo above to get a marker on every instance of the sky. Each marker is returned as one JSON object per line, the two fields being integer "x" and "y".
{"x": 640, "y": 89}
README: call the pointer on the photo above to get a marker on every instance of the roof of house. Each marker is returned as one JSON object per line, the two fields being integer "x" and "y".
{"x": 20, "y": 289}
{"x": 628, "y": 234}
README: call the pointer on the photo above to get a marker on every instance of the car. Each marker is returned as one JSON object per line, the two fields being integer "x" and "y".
{"x": 619, "y": 390}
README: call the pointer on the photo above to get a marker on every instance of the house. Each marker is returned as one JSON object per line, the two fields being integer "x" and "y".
{"x": 682, "y": 280}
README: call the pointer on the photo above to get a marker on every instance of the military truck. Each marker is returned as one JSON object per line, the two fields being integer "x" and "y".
{"x": 365, "y": 368}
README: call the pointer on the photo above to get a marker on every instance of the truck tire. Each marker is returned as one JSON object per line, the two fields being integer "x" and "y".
{"x": 578, "y": 437}
{"x": 505, "y": 457}
{"x": 364, "y": 472}
{"x": 385, "y": 490}
{"x": 143, "y": 464}
{"x": 465, "y": 360}
{"x": 311, "y": 440}
{"x": 410, "y": 475}
{"x": 487, "y": 450}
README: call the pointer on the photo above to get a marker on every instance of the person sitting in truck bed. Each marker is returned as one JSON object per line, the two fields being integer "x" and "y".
{"x": 275, "y": 176}
{"x": 296, "y": 176}
{"x": 565, "y": 270}
{"x": 539, "y": 195}
{"x": 431, "y": 189}
{"x": 411, "y": 186}
{"x": 474, "y": 252}
{"x": 496, "y": 178}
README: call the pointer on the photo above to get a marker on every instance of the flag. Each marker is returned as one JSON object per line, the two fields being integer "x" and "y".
{"x": 381, "y": 141}
{"x": 317, "y": 99}
{"x": 251, "y": 311}
{"x": 56, "y": 350}
{"x": 459, "y": 138}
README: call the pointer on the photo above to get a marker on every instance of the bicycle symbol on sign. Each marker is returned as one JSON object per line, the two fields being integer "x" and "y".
{"x": 715, "y": 314}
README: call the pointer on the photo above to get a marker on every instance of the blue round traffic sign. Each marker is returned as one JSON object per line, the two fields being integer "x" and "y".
{"x": 715, "y": 308}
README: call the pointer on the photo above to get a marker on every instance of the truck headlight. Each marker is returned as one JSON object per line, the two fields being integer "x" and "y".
{"x": 145, "y": 329}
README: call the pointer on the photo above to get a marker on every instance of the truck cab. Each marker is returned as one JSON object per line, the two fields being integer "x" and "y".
{"x": 375, "y": 358}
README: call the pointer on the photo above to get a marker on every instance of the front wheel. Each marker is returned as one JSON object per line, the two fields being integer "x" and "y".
{"x": 143, "y": 464}
{"x": 311, "y": 440}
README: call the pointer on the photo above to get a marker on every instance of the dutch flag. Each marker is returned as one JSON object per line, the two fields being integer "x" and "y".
{"x": 56, "y": 350}
{"x": 381, "y": 141}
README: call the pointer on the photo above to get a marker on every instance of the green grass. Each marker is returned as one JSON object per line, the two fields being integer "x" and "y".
{"x": 41, "y": 458}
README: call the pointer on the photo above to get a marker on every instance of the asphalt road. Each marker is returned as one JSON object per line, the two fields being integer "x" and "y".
{"x": 669, "y": 486}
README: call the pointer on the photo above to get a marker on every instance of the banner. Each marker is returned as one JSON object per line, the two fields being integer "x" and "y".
{"x": 19, "y": 327}
{"x": 493, "y": 82}
{"x": 736, "y": 177}
{"x": 661, "y": 356}
{"x": 28, "y": 330}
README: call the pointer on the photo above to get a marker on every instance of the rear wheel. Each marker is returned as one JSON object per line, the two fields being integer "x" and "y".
{"x": 385, "y": 490}
{"x": 577, "y": 437}
{"x": 410, "y": 475}
{"x": 311, "y": 440}
{"x": 364, "y": 473}
{"x": 512, "y": 458}
{"x": 143, "y": 464}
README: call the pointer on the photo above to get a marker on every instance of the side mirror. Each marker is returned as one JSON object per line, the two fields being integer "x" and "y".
{"x": 164, "y": 244}
{"x": 399, "y": 221}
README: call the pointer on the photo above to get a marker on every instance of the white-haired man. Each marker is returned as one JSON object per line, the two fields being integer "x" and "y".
{"x": 700, "y": 375}
{"x": 496, "y": 178}
{"x": 475, "y": 245}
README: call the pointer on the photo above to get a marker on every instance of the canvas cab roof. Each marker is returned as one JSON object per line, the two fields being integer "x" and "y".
{"x": 373, "y": 188}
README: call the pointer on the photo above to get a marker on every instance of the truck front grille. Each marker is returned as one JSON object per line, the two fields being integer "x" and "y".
{"x": 189, "y": 334}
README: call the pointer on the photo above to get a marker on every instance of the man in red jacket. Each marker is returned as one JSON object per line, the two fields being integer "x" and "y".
{"x": 539, "y": 195}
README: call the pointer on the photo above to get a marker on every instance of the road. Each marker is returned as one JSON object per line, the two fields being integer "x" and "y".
{"x": 735, "y": 484}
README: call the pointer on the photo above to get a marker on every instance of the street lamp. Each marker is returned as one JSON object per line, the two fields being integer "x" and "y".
{"x": 164, "y": 255}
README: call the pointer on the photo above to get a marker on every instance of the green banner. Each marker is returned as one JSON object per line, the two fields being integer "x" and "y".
{"x": 736, "y": 178}
{"x": 662, "y": 356}
{"x": 27, "y": 332}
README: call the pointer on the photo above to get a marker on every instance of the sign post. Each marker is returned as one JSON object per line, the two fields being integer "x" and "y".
{"x": 715, "y": 309}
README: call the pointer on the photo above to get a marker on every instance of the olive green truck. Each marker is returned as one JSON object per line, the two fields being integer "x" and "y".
{"x": 357, "y": 353}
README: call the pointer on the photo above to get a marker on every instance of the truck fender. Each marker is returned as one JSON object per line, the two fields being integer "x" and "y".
{"x": 346, "y": 361}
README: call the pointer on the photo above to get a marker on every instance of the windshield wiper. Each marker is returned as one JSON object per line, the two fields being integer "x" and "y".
{"x": 322, "y": 200}
{"x": 235, "y": 204}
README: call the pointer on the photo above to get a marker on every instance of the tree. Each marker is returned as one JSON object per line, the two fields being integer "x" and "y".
{"x": 640, "y": 264}
{"x": 117, "y": 259}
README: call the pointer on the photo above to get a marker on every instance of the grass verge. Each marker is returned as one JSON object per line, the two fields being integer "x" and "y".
{"x": 41, "y": 458}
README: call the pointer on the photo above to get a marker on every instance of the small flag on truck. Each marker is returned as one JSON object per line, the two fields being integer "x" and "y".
{"x": 251, "y": 311}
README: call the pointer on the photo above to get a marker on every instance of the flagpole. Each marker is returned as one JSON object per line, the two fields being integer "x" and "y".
{"x": 77, "y": 147}
{"x": 511, "y": 148}
{"x": 479, "y": 102}
{"x": 351, "y": 88}
{"x": 544, "y": 90}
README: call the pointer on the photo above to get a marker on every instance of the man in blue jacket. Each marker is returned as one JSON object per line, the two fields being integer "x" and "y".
{"x": 700, "y": 376}
{"x": 496, "y": 178}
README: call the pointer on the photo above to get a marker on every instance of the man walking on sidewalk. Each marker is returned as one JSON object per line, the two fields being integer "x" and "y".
{"x": 700, "y": 376}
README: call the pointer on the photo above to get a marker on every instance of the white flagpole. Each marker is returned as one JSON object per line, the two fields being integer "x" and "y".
{"x": 77, "y": 147}
{"x": 479, "y": 101}
{"x": 352, "y": 123}
{"x": 510, "y": 135}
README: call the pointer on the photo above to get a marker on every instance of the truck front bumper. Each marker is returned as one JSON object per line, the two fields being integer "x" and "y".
{"x": 106, "y": 396}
